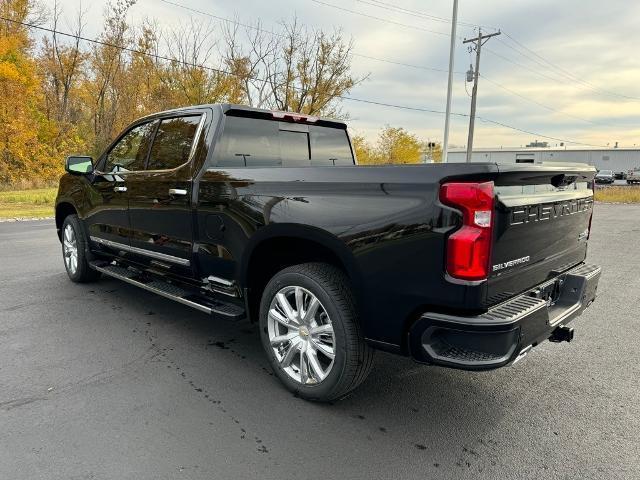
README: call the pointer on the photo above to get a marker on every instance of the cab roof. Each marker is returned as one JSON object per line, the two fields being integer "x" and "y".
{"x": 252, "y": 112}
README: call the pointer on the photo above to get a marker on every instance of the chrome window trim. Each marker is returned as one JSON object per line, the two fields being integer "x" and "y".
{"x": 141, "y": 251}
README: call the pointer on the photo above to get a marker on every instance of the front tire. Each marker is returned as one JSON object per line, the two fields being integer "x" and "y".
{"x": 74, "y": 252}
{"x": 310, "y": 332}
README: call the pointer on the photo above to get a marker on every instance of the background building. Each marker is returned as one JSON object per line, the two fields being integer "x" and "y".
{"x": 616, "y": 159}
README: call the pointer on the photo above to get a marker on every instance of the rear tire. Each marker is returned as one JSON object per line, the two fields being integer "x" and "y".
{"x": 315, "y": 344}
{"x": 74, "y": 252}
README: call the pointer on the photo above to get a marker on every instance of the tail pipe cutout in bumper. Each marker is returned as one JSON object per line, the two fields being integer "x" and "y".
{"x": 506, "y": 332}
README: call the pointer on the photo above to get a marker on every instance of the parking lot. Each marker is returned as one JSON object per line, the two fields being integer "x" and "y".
{"x": 106, "y": 381}
{"x": 617, "y": 183}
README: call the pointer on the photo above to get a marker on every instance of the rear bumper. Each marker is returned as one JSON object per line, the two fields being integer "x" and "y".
{"x": 507, "y": 331}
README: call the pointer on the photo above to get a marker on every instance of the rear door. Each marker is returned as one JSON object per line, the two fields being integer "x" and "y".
{"x": 250, "y": 149}
{"x": 108, "y": 219}
{"x": 541, "y": 226}
{"x": 160, "y": 196}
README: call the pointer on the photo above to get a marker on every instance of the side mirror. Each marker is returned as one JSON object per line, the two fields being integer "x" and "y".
{"x": 78, "y": 164}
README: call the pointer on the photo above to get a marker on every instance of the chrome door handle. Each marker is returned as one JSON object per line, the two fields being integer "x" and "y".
{"x": 177, "y": 191}
{"x": 119, "y": 189}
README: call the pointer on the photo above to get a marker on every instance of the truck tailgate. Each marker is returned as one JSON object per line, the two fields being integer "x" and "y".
{"x": 542, "y": 220}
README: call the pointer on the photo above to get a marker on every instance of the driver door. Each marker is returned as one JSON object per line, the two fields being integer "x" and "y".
{"x": 108, "y": 219}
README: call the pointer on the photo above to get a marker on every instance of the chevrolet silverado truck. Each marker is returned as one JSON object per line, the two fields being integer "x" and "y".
{"x": 244, "y": 213}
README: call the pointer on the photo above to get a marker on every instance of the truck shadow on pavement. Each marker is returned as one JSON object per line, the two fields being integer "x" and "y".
{"x": 401, "y": 401}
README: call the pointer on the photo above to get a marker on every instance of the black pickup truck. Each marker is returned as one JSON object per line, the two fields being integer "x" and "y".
{"x": 247, "y": 213}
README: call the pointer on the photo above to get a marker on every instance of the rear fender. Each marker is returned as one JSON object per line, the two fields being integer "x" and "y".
{"x": 308, "y": 233}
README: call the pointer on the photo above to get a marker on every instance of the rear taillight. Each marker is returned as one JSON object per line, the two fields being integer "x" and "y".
{"x": 469, "y": 248}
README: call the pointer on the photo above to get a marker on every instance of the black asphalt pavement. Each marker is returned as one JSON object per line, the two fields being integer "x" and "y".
{"x": 105, "y": 381}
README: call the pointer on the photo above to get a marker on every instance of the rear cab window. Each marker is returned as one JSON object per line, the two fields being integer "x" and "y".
{"x": 256, "y": 142}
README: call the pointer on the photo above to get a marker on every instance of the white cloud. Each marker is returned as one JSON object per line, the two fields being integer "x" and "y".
{"x": 588, "y": 39}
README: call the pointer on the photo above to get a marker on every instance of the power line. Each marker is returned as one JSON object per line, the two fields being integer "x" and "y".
{"x": 556, "y": 79}
{"x": 342, "y": 97}
{"x": 380, "y": 19}
{"x": 477, "y": 42}
{"x": 275, "y": 34}
{"x": 392, "y": 62}
{"x": 563, "y": 71}
{"x": 547, "y": 107}
{"x": 529, "y": 132}
{"x": 532, "y": 70}
{"x": 565, "y": 74}
{"x": 113, "y": 45}
{"x": 407, "y": 11}
{"x": 223, "y": 19}
{"x": 538, "y": 59}
{"x": 482, "y": 119}
{"x": 486, "y": 48}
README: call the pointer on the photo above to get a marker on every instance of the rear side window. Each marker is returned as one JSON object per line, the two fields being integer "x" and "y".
{"x": 248, "y": 142}
{"x": 172, "y": 143}
{"x": 252, "y": 142}
{"x": 131, "y": 150}
{"x": 329, "y": 146}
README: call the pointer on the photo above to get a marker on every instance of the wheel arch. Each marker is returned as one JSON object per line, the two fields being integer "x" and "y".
{"x": 63, "y": 210}
{"x": 278, "y": 246}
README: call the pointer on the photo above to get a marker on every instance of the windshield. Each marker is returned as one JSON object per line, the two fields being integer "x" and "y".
{"x": 605, "y": 172}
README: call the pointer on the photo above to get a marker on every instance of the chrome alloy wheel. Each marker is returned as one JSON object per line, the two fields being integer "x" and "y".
{"x": 301, "y": 335}
{"x": 70, "y": 249}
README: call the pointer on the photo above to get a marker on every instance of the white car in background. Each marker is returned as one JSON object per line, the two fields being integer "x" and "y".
{"x": 633, "y": 176}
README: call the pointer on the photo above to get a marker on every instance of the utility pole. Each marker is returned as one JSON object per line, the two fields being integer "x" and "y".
{"x": 452, "y": 49}
{"x": 477, "y": 42}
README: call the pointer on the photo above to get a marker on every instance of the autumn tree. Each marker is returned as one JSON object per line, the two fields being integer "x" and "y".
{"x": 144, "y": 90}
{"x": 252, "y": 61}
{"x": 61, "y": 65}
{"x": 296, "y": 69}
{"x": 21, "y": 128}
{"x": 103, "y": 92}
{"x": 366, "y": 154}
{"x": 395, "y": 145}
{"x": 66, "y": 95}
{"x": 190, "y": 75}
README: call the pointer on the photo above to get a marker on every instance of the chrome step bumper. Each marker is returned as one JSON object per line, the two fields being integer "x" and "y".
{"x": 507, "y": 331}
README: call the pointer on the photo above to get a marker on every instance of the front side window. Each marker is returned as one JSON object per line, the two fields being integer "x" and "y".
{"x": 130, "y": 153}
{"x": 172, "y": 143}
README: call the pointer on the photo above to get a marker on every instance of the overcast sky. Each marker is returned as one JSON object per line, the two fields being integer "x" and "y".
{"x": 593, "y": 42}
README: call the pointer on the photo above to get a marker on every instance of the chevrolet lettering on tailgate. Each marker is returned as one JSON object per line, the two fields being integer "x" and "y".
{"x": 549, "y": 211}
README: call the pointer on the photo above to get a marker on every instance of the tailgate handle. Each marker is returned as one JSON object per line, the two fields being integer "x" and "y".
{"x": 119, "y": 189}
{"x": 563, "y": 180}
